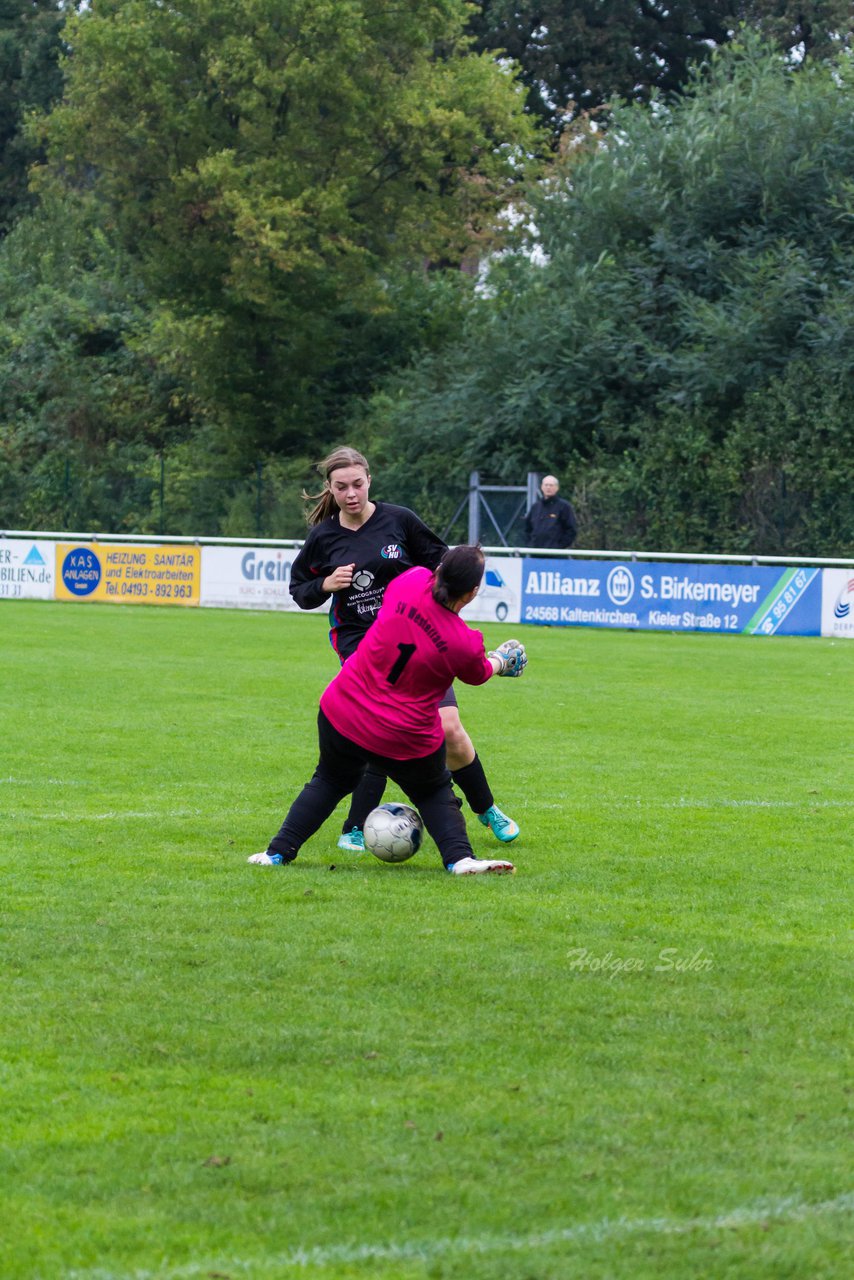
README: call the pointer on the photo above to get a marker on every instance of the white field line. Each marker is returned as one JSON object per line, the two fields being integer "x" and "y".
{"x": 89, "y": 782}
{"x": 117, "y": 815}
{"x": 612, "y": 802}
{"x": 790, "y": 1209}
{"x": 155, "y": 815}
{"x": 684, "y": 802}
{"x": 43, "y": 782}
{"x": 604, "y": 802}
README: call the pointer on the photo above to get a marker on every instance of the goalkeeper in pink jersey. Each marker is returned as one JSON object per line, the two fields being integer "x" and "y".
{"x": 354, "y": 549}
{"x": 383, "y": 709}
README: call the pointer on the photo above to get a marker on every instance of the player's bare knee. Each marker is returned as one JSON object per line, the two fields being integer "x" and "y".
{"x": 458, "y": 746}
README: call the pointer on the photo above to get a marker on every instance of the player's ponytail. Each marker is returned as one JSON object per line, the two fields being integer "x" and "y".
{"x": 325, "y": 504}
{"x": 459, "y": 572}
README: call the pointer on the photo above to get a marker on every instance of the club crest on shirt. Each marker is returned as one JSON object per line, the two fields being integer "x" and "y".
{"x": 362, "y": 579}
{"x": 391, "y": 552}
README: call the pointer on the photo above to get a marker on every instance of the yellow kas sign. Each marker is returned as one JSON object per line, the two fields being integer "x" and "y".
{"x": 127, "y": 575}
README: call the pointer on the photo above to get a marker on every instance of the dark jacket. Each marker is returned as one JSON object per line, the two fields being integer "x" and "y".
{"x": 551, "y": 522}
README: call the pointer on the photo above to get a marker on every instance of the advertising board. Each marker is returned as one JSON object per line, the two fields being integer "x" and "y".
{"x": 837, "y": 603}
{"x": 500, "y": 592}
{"x": 26, "y": 569}
{"x": 753, "y": 599}
{"x": 126, "y": 574}
{"x": 246, "y": 578}
{"x": 750, "y": 599}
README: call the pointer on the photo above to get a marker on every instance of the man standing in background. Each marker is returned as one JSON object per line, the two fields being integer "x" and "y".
{"x": 551, "y": 521}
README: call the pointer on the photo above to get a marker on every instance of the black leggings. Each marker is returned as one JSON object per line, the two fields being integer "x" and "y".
{"x": 426, "y": 781}
{"x": 368, "y": 792}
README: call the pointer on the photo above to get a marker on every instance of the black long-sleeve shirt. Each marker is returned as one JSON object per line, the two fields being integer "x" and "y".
{"x": 391, "y": 541}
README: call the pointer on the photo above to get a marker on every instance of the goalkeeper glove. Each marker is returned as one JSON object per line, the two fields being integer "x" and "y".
{"x": 512, "y": 656}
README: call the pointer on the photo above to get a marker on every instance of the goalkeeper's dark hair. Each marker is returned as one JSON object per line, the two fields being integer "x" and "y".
{"x": 325, "y": 504}
{"x": 459, "y": 572}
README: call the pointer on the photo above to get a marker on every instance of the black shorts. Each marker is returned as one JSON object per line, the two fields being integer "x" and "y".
{"x": 449, "y": 699}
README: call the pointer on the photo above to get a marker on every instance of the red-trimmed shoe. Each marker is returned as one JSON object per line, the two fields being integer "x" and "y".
{"x": 481, "y": 867}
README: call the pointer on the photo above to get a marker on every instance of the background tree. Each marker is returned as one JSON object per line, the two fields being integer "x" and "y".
{"x": 85, "y": 412}
{"x": 577, "y": 56}
{"x": 270, "y": 166}
{"x": 698, "y": 267}
{"x": 30, "y": 80}
{"x": 239, "y": 206}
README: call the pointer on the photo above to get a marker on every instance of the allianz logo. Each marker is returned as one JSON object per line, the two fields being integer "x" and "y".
{"x": 550, "y": 583}
{"x": 257, "y": 568}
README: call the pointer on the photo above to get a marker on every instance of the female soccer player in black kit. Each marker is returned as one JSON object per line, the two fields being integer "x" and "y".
{"x": 353, "y": 551}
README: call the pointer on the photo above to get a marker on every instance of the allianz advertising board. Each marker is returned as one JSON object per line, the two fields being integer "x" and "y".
{"x": 753, "y": 599}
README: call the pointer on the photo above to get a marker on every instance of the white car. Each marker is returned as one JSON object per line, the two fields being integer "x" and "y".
{"x": 495, "y": 596}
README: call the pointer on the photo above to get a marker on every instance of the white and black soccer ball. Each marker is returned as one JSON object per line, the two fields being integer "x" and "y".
{"x": 393, "y": 832}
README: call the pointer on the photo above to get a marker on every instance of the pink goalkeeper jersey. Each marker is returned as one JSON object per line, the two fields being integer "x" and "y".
{"x": 386, "y": 696}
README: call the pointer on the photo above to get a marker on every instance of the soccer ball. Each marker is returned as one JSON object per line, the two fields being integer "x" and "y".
{"x": 393, "y": 832}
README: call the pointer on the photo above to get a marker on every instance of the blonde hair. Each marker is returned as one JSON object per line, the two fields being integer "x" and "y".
{"x": 325, "y": 504}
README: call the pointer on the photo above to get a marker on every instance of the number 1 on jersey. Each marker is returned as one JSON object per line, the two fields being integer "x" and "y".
{"x": 405, "y": 651}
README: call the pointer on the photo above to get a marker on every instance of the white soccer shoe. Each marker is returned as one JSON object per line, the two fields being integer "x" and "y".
{"x": 264, "y": 859}
{"x": 481, "y": 866}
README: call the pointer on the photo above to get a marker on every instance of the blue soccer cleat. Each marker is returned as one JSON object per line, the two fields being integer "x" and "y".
{"x": 501, "y": 826}
{"x": 265, "y": 859}
{"x": 352, "y": 841}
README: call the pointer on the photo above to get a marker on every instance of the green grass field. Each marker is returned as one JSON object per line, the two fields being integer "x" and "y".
{"x": 632, "y": 1059}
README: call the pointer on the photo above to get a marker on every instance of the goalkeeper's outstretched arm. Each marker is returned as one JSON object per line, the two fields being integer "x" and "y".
{"x": 509, "y": 659}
